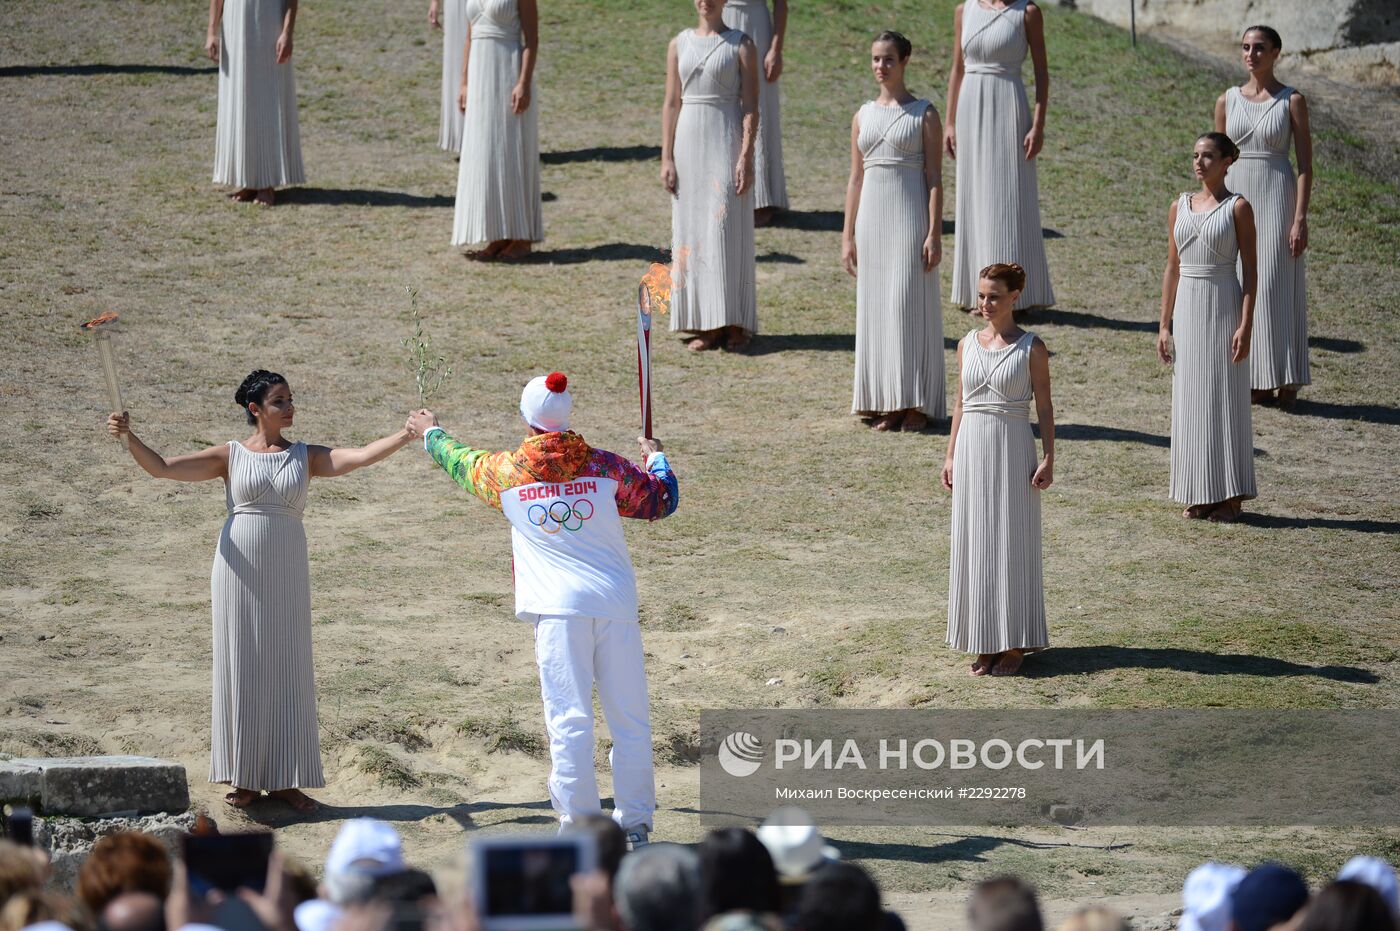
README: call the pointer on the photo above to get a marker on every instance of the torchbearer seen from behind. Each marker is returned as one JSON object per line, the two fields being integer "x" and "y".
{"x": 574, "y": 582}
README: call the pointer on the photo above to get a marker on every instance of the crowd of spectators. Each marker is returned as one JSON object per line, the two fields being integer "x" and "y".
{"x": 782, "y": 877}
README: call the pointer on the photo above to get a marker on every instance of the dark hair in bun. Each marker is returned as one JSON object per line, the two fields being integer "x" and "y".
{"x": 1008, "y": 273}
{"x": 254, "y": 388}
{"x": 903, "y": 46}
{"x": 1268, "y": 32}
{"x": 1223, "y": 144}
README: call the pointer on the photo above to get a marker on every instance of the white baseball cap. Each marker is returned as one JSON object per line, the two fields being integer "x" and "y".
{"x": 795, "y": 844}
{"x": 1205, "y": 897}
{"x": 366, "y": 846}
{"x": 1376, "y": 873}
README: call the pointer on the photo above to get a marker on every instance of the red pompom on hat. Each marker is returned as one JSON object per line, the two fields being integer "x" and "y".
{"x": 556, "y": 382}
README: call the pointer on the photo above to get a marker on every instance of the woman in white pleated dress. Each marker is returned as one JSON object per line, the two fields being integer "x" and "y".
{"x": 709, "y": 124}
{"x": 451, "y": 17}
{"x": 996, "y": 597}
{"x": 264, "y": 734}
{"x": 995, "y": 138}
{"x": 498, "y": 180}
{"x": 751, "y": 17}
{"x": 892, "y": 244}
{"x": 1208, "y": 313}
{"x": 257, "y": 143}
{"x": 1266, "y": 117}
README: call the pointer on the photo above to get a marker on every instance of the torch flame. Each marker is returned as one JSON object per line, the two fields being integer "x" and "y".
{"x": 96, "y": 322}
{"x": 657, "y": 282}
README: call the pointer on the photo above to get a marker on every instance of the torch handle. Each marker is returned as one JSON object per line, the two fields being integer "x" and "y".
{"x": 109, "y": 371}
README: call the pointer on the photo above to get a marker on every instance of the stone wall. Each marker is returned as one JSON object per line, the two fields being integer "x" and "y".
{"x": 1350, "y": 40}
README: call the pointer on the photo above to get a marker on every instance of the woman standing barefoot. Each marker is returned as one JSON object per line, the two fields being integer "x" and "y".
{"x": 451, "y": 17}
{"x": 1263, "y": 117}
{"x": 257, "y": 146}
{"x": 264, "y": 721}
{"x": 709, "y": 122}
{"x": 1212, "y": 438}
{"x": 892, "y": 244}
{"x": 996, "y": 600}
{"x": 498, "y": 180}
{"x": 995, "y": 138}
{"x": 751, "y": 17}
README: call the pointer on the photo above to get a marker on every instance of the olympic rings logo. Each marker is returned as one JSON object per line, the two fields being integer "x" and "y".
{"x": 560, "y": 515}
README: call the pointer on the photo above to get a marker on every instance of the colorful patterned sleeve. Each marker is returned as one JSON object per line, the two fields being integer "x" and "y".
{"x": 478, "y": 471}
{"x": 645, "y": 494}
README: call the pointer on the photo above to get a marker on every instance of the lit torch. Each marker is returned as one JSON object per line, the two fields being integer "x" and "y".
{"x": 653, "y": 297}
{"x": 101, "y": 329}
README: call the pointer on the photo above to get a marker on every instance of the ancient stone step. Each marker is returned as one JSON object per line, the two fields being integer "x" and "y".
{"x": 91, "y": 786}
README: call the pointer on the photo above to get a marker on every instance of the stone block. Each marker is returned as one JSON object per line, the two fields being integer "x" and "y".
{"x": 20, "y": 781}
{"x": 89, "y": 786}
{"x": 70, "y": 840}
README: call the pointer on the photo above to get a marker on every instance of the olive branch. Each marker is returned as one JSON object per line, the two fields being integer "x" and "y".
{"x": 429, "y": 371}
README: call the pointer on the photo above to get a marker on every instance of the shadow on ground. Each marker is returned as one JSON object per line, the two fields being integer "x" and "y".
{"x": 962, "y": 849}
{"x": 1373, "y": 413}
{"x": 627, "y": 251}
{"x": 1078, "y": 318}
{"x": 1359, "y": 525}
{"x": 1064, "y": 660}
{"x": 29, "y": 71}
{"x": 606, "y": 153}
{"x": 361, "y": 197}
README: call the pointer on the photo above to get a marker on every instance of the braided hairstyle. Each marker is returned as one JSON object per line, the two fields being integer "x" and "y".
{"x": 254, "y": 388}
{"x": 1223, "y": 144}
{"x": 1008, "y": 273}
{"x": 902, "y": 45}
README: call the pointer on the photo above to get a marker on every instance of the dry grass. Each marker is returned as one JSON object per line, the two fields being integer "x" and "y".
{"x": 793, "y": 516}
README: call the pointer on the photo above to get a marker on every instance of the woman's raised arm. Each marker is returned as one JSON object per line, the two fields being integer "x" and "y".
{"x": 329, "y": 462}
{"x": 196, "y": 467}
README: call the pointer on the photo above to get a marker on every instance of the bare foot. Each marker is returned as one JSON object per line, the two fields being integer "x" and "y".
{"x": 1262, "y": 397}
{"x": 515, "y": 249}
{"x": 1227, "y": 513}
{"x": 1198, "y": 511}
{"x": 888, "y": 422}
{"x": 983, "y": 664}
{"x": 763, "y": 216}
{"x": 243, "y": 195}
{"x": 737, "y": 339}
{"x": 264, "y": 197}
{"x": 1009, "y": 663}
{"x": 914, "y": 421}
{"x": 241, "y": 798}
{"x": 296, "y": 798}
{"x": 1287, "y": 398}
{"x": 701, "y": 342}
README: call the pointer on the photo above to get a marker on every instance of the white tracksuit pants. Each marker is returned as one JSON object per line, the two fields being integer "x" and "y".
{"x": 574, "y": 654}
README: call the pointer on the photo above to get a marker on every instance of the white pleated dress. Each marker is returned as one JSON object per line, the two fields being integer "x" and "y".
{"x": 996, "y": 598}
{"x": 498, "y": 181}
{"x": 752, "y": 18}
{"x": 1212, "y": 437}
{"x": 1263, "y": 175}
{"x": 454, "y": 41}
{"x": 257, "y": 142}
{"x": 264, "y": 721}
{"x": 711, "y": 227}
{"x": 899, "y": 321}
{"x": 998, "y": 196}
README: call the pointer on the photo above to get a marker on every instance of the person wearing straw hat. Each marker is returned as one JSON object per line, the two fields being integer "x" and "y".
{"x": 574, "y": 582}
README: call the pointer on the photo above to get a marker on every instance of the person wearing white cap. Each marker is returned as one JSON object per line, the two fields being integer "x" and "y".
{"x": 1376, "y": 873}
{"x": 1205, "y": 897}
{"x": 574, "y": 582}
{"x": 795, "y": 844}
{"x": 364, "y": 850}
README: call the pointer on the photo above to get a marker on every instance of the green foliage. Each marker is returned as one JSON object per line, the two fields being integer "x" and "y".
{"x": 429, "y": 370}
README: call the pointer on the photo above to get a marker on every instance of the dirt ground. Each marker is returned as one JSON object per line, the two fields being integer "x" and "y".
{"x": 807, "y": 549}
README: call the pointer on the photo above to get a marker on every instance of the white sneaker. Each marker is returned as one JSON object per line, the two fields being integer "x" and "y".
{"x": 638, "y": 836}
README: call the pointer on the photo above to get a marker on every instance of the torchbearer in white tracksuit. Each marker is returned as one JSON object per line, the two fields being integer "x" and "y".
{"x": 574, "y": 581}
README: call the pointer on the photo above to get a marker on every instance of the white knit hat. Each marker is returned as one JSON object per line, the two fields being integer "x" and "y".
{"x": 546, "y": 403}
{"x": 1206, "y": 896}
